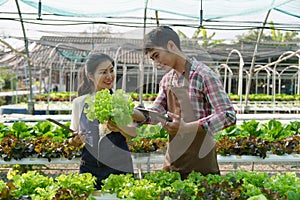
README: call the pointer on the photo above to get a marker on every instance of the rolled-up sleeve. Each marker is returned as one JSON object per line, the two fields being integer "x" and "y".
{"x": 218, "y": 121}
{"x": 77, "y": 107}
{"x": 75, "y": 116}
{"x": 216, "y": 111}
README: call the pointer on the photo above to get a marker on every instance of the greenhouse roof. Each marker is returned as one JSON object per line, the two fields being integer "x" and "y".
{"x": 76, "y": 48}
{"x": 213, "y": 9}
{"x": 59, "y": 17}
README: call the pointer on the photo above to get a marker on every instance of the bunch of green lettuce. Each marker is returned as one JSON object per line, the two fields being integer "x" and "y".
{"x": 117, "y": 107}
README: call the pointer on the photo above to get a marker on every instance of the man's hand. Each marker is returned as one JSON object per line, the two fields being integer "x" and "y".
{"x": 138, "y": 116}
{"x": 175, "y": 125}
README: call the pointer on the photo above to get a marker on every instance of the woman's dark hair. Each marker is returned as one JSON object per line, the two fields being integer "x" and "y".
{"x": 159, "y": 37}
{"x": 93, "y": 61}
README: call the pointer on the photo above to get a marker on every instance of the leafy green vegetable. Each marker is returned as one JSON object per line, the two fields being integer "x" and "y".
{"x": 294, "y": 126}
{"x": 80, "y": 183}
{"x": 151, "y": 132}
{"x": 19, "y": 127}
{"x": 4, "y": 131}
{"x": 275, "y": 130}
{"x": 293, "y": 195}
{"x": 117, "y": 107}
{"x": 49, "y": 134}
{"x": 162, "y": 178}
{"x": 42, "y": 127}
{"x": 284, "y": 183}
{"x": 258, "y": 197}
{"x": 61, "y": 132}
{"x": 114, "y": 183}
{"x": 28, "y": 182}
{"x": 233, "y": 185}
{"x": 32, "y": 185}
{"x": 2, "y": 185}
{"x": 252, "y": 128}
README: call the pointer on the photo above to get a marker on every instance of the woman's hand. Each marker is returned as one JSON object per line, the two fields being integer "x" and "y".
{"x": 126, "y": 131}
{"x": 77, "y": 139}
{"x": 113, "y": 127}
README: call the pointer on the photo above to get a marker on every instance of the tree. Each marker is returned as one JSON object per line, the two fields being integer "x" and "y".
{"x": 276, "y": 36}
{"x": 7, "y": 79}
{"x": 200, "y": 37}
{"x": 100, "y": 30}
{"x": 2, "y": 83}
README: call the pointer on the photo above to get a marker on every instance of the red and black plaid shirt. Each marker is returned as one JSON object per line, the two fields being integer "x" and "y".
{"x": 210, "y": 102}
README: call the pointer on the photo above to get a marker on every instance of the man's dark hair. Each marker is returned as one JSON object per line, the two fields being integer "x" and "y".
{"x": 159, "y": 37}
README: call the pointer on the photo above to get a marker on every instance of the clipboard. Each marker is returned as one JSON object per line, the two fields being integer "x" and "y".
{"x": 61, "y": 125}
{"x": 154, "y": 114}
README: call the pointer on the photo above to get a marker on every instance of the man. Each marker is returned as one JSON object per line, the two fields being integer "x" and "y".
{"x": 193, "y": 96}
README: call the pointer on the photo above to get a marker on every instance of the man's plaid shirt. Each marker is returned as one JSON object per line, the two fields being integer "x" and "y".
{"x": 210, "y": 102}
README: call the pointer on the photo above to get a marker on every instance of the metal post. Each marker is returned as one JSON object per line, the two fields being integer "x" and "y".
{"x": 298, "y": 88}
{"x": 61, "y": 79}
{"x": 30, "y": 97}
{"x": 50, "y": 78}
{"x": 116, "y": 67}
{"x": 253, "y": 61}
{"x": 147, "y": 80}
{"x": 124, "y": 77}
{"x": 141, "y": 66}
{"x": 153, "y": 83}
{"x": 241, "y": 65}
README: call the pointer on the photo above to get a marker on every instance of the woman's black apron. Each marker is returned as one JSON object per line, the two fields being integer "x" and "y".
{"x": 105, "y": 156}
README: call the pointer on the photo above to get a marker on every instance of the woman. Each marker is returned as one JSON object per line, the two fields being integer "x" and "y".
{"x": 109, "y": 154}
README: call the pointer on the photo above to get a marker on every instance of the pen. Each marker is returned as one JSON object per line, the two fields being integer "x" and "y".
{"x": 61, "y": 125}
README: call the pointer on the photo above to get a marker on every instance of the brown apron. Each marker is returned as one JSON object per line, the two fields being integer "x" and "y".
{"x": 193, "y": 151}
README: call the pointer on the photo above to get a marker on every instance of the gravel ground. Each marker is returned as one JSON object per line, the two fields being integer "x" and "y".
{"x": 57, "y": 169}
